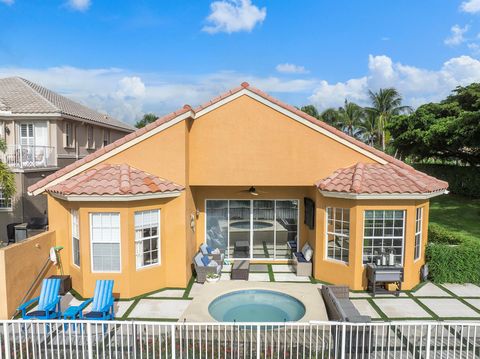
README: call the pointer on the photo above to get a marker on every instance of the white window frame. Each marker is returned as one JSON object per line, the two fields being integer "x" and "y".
{"x": 69, "y": 137}
{"x": 119, "y": 242}
{"x": 383, "y": 237}
{"x": 8, "y": 201}
{"x": 75, "y": 236}
{"x": 418, "y": 234}
{"x": 141, "y": 239}
{"x": 29, "y": 140}
{"x": 339, "y": 234}
{"x": 227, "y": 254}
{"x": 90, "y": 137}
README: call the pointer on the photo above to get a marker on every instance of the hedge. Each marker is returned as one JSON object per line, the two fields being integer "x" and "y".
{"x": 463, "y": 180}
{"x": 452, "y": 259}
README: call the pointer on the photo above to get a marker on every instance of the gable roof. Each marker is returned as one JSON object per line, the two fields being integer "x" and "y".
{"x": 187, "y": 112}
{"x": 20, "y": 96}
{"x": 375, "y": 178}
{"x": 114, "y": 180}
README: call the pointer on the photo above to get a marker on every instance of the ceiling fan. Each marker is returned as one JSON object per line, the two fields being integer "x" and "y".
{"x": 253, "y": 191}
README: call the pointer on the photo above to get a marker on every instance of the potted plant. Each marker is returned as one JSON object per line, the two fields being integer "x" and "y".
{"x": 213, "y": 277}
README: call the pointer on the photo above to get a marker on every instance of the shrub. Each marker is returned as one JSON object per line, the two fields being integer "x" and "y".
{"x": 454, "y": 263}
{"x": 439, "y": 235}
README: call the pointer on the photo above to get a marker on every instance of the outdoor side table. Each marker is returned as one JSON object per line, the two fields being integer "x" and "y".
{"x": 382, "y": 275}
{"x": 72, "y": 312}
{"x": 240, "y": 270}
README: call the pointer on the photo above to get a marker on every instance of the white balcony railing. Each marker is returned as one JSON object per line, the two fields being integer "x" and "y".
{"x": 24, "y": 157}
{"x": 122, "y": 339}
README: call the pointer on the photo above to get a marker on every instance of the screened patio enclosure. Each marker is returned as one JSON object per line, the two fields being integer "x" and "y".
{"x": 254, "y": 229}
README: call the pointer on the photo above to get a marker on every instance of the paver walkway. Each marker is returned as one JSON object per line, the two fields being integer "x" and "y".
{"x": 429, "y": 302}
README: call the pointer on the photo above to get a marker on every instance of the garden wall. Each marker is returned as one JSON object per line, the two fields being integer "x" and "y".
{"x": 20, "y": 264}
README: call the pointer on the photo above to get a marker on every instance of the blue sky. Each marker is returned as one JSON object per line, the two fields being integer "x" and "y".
{"x": 132, "y": 57}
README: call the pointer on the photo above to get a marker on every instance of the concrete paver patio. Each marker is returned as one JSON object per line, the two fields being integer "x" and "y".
{"x": 430, "y": 301}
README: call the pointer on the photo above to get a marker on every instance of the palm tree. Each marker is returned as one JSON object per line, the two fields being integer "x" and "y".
{"x": 146, "y": 119}
{"x": 368, "y": 130}
{"x": 347, "y": 118}
{"x": 386, "y": 103}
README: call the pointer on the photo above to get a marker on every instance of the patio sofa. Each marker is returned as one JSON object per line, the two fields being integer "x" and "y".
{"x": 205, "y": 267}
{"x": 339, "y": 307}
{"x": 302, "y": 261}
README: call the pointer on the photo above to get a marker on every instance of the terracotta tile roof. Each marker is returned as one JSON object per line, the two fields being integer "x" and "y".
{"x": 187, "y": 108}
{"x": 18, "y": 96}
{"x": 109, "y": 179}
{"x": 375, "y": 178}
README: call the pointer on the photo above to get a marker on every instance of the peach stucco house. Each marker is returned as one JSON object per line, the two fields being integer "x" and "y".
{"x": 240, "y": 168}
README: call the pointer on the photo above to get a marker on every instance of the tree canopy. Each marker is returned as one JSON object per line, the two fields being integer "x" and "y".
{"x": 146, "y": 119}
{"x": 449, "y": 130}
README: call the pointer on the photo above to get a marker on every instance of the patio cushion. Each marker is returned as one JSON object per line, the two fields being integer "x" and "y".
{"x": 300, "y": 257}
{"x": 305, "y": 247}
{"x": 37, "y": 313}
{"x": 94, "y": 315}
{"x": 198, "y": 260}
{"x": 205, "y": 260}
{"x": 212, "y": 263}
{"x": 308, "y": 254}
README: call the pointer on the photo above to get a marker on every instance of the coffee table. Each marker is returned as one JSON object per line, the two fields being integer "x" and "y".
{"x": 240, "y": 270}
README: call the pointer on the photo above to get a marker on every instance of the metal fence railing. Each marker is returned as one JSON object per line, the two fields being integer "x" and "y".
{"x": 124, "y": 339}
{"x": 25, "y": 156}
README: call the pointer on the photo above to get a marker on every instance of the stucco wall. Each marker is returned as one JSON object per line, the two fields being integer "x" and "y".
{"x": 19, "y": 265}
{"x": 353, "y": 274}
{"x": 247, "y": 143}
{"x": 130, "y": 281}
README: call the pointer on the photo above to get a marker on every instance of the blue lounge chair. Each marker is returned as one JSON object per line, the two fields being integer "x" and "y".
{"x": 48, "y": 302}
{"x": 102, "y": 306}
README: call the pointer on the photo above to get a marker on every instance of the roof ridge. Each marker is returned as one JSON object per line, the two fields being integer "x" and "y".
{"x": 357, "y": 177}
{"x": 28, "y": 84}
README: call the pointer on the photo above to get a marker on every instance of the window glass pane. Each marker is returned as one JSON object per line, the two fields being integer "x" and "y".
{"x": 105, "y": 237}
{"x": 383, "y": 235}
{"x": 285, "y": 227}
{"x": 146, "y": 237}
{"x": 338, "y": 234}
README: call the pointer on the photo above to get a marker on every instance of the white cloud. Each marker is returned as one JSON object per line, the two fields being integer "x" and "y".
{"x": 470, "y": 6}
{"x": 79, "y": 5}
{"x": 7, "y": 2}
{"x": 233, "y": 16}
{"x": 127, "y": 96}
{"x": 456, "y": 36}
{"x": 287, "y": 68}
{"x": 417, "y": 85}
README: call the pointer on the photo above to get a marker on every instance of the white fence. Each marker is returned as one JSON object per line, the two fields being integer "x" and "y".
{"x": 122, "y": 339}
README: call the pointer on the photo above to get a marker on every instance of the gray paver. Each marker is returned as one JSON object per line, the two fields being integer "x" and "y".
{"x": 159, "y": 308}
{"x": 365, "y": 308}
{"x": 401, "y": 308}
{"x": 449, "y": 307}
{"x": 289, "y": 277}
{"x": 463, "y": 290}
{"x": 169, "y": 293}
{"x": 430, "y": 290}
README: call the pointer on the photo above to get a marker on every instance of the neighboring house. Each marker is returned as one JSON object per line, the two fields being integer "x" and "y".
{"x": 44, "y": 131}
{"x": 235, "y": 173}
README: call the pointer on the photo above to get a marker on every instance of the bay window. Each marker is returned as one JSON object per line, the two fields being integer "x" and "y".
{"x": 105, "y": 241}
{"x": 383, "y": 234}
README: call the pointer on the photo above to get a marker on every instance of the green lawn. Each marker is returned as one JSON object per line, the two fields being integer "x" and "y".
{"x": 458, "y": 214}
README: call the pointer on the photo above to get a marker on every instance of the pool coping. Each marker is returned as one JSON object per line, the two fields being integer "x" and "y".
{"x": 309, "y": 295}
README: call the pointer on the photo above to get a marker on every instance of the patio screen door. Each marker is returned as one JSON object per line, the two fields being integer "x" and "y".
{"x": 257, "y": 229}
